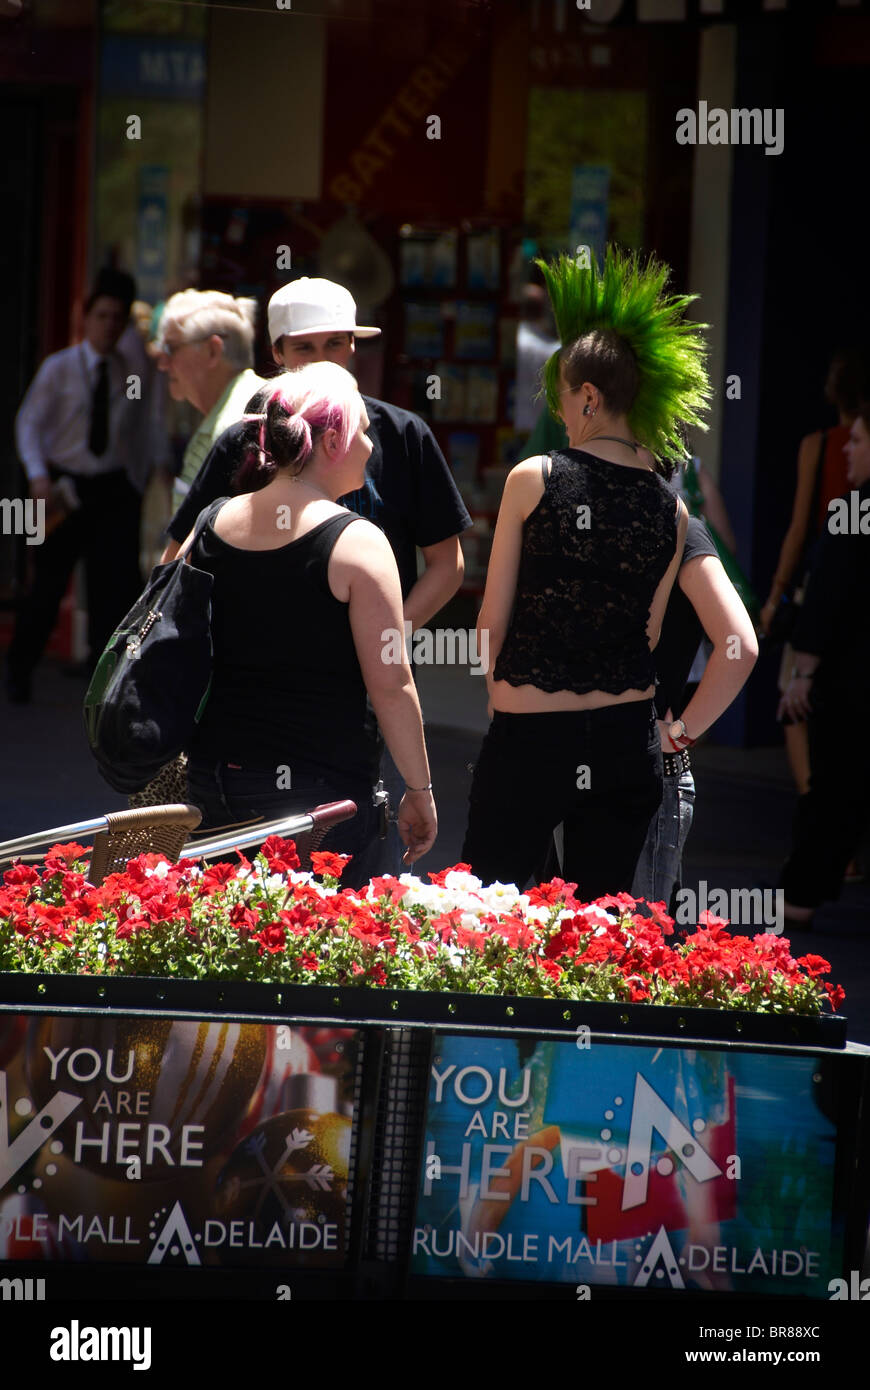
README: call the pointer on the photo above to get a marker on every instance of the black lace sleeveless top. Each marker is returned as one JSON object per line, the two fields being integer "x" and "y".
{"x": 595, "y": 550}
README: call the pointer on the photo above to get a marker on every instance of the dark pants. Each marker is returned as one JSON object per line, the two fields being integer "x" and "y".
{"x": 598, "y": 771}
{"x": 831, "y": 818}
{"x": 104, "y": 531}
{"x": 227, "y": 795}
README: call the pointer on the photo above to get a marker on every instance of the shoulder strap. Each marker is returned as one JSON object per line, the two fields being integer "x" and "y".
{"x": 206, "y": 515}
{"x": 546, "y": 466}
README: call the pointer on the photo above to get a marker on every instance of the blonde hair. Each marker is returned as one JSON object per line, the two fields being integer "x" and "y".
{"x": 200, "y": 313}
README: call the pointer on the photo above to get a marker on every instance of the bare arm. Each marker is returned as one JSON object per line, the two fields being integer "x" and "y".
{"x": 729, "y": 627}
{"x": 663, "y": 592}
{"x": 523, "y": 491}
{"x": 171, "y": 550}
{"x": 362, "y": 572}
{"x": 439, "y": 582}
{"x": 808, "y": 458}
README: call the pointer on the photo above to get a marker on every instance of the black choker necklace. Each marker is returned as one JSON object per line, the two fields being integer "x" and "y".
{"x": 614, "y": 439}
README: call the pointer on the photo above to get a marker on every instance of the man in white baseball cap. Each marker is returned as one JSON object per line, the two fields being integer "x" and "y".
{"x": 306, "y": 308}
{"x": 409, "y": 491}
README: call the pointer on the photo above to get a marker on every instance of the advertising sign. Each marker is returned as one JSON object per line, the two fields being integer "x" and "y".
{"x": 642, "y": 1166}
{"x": 178, "y": 1142}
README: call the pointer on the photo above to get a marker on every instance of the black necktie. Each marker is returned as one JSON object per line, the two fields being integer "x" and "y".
{"x": 98, "y": 438}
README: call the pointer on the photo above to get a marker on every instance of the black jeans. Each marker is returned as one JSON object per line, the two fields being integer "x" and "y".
{"x": 104, "y": 531}
{"x": 598, "y": 771}
{"x": 227, "y": 794}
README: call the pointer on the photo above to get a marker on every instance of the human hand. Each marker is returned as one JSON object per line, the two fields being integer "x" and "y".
{"x": 40, "y": 487}
{"x": 796, "y": 700}
{"x": 664, "y": 725}
{"x": 768, "y": 613}
{"x": 417, "y": 823}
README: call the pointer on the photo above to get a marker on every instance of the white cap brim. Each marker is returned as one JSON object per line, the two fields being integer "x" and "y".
{"x": 332, "y": 328}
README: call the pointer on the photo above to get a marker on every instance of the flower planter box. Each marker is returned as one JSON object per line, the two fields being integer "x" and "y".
{"x": 316, "y": 1135}
{"x": 416, "y": 1008}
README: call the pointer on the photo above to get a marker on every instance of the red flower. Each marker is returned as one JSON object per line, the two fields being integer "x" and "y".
{"x": 619, "y": 900}
{"x": 549, "y": 967}
{"x": 713, "y": 923}
{"x": 836, "y": 994}
{"x": 465, "y": 936}
{"x": 21, "y": 873}
{"x": 815, "y": 965}
{"x": 60, "y": 855}
{"x": 217, "y": 877}
{"x": 243, "y": 919}
{"x": 325, "y": 862}
{"x": 377, "y": 975}
{"x": 546, "y": 894}
{"x": 271, "y": 939}
{"x": 564, "y": 943}
{"x": 308, "y": 961}
{"x": 388, "y": 887}
{"x": 440, "y": 878}
{"x": 281, "y": 855}
{"x": 130, "y": 925}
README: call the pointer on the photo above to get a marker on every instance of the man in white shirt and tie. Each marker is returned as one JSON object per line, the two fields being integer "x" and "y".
{"x": 80, "y": 425}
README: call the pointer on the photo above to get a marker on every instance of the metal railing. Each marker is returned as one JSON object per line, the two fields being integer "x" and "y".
{"x": 318, "y": 821}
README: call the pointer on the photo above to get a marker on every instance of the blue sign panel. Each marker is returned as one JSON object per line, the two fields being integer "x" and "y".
{"x": 168, "y": 69}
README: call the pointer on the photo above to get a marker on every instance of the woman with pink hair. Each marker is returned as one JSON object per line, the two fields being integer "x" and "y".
{"x": 305, "y": 594}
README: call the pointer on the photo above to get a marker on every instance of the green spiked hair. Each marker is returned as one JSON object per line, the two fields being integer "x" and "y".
{"x": 628, "y": 299}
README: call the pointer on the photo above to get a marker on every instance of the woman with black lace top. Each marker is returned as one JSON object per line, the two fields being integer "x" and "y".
{"x": 587, "y": 546}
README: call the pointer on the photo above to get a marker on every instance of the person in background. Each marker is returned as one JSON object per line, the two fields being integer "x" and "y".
{"x": 408, "y": 492}
{"x": 703, "y": 601}
{"x": 535, "y": 344}
{"x": 286, "y": 727}
{"x": 821, "y": 476}
{"x": 828, "y": 693}
{"x": 587, "y": 547}
{"x": 206, "y": 348}
{"x": 80, "y": 436}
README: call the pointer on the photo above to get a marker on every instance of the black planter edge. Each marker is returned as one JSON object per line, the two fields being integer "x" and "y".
{"x": 417, "y": 1008}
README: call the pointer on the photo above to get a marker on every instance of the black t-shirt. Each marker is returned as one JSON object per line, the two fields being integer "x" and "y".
{"x": 682, "y": 631}
{"x": 409, "y": 492}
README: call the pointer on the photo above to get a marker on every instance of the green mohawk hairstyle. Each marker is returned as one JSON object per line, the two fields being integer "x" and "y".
{"x": 629, "y": 299}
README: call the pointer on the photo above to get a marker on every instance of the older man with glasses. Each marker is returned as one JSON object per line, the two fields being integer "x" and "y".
{"x": 207, "y": 347}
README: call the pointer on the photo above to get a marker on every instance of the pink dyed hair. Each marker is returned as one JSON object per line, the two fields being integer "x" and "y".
{"x": 308, "y": 402}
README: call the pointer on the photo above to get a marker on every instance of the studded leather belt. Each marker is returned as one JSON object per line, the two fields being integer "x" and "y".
{"x": 675, "y": 764}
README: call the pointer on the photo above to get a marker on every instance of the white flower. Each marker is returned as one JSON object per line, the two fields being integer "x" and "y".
{"x": 462, "y": 881}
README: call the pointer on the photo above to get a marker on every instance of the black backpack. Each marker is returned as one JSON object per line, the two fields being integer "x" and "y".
{"x": 151, "y": 684}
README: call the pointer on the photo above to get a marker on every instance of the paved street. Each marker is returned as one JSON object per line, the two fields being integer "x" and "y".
{"x": 739, "y": 839}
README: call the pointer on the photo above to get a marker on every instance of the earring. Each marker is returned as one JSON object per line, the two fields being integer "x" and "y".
{"x": 587, "y": 410}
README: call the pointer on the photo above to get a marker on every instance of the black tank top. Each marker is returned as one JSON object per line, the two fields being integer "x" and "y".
{"x": 287, "y": 687}
{"x": 587, "y": 578}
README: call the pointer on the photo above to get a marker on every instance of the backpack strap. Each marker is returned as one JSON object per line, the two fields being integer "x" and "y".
{"x": 206, "y": 516}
